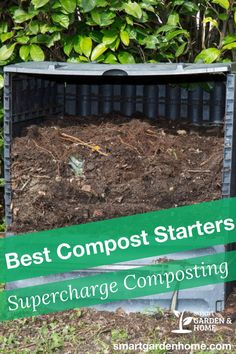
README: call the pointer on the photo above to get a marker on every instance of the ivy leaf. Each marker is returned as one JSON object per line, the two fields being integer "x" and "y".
{"x": 62, "y": 19}
{"x": 126, "y": 58}
{"x": 133, "y": 9}
{"x": 124, "y": 36}
{"x": 98, "y": 50}
{"x": 86, "y": 45}
{"x": 24, "y": 52}
{"x": 6, "y": 51}
{"x": 1, "y": 82}
{"x": 88, "y": 5}
{"x": 39, "y": 3}
{"x": 36, "y": 53}
{"x": 68, "y": 5}
{"x": 208, "y": 55}
{"x": 223, "y": 3}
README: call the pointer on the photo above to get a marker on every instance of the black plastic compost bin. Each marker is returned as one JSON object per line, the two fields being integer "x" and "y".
{"x": 35, "y": 90}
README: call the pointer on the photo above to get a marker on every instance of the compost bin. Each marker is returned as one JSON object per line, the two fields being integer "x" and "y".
{"x": 38, "y": 92}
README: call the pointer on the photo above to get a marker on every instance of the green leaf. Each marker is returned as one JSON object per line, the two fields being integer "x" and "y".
{"x": 133, "y": 9}
{"x": 235, "y": 17}
{"x": 98, "y": 50}
{"x": 21, "y": 16}
{"x": 68, "y": 5}
{"x": 24, "y": 52}
{"x": 22, "y": 39}
{"x": 6, "y": 51}
{"x": 36, "y": 53}
{"x": 115, "y": 45}
{"x": 223, "y": 16}
{"x": 86, "y": 46}
{"x": 54, "y": 38}
{"x": 109, "y": 37}
{"x": 124, "y": 36}
{"x": 173, "y": 19}
{"x": 102, "y": 18}
{"x": 76, "y": 43}
{"x": 39, "y": 3}
{"x": 150, "y": 42}
{"x": 223, "y": 3}
{"x": 129, "y": 20}
{"x": 229, "y": 39}
{"x": 180, "y": 50}
{"x": 229, "y": 46}
{"x": 208, "y": 55}
{"x": 68, "y": 48}
{"x": 126, "y": 58}
{"x": 3, "y": 27}
{"x": 1, "y": 82}
{"x": 101, "y": 3}
{"x": 88, "y": 5}
{"x": 147, "y": 7}
{"x": 190, "y": 7}
{"x": 5, "y": 36}
{"x": 176, "y": 33}
{"x": 110, "y": 59}
{"x": 33, "y": 27}
{"x": 44, "y": 28}
{"x": 62, "y": 19}
{"x": 165, "y": 28}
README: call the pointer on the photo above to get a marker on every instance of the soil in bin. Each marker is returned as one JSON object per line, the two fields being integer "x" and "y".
{"x": 126, "y": 166}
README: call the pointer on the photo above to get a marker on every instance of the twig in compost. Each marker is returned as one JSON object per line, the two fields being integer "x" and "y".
{"x": 73, "y": 139}
{"x": 25, "y": 184}
{"x": 42, "y": 148}
{"x": 38, "y": 176}
{"x": 130, "y": 146}
{"x": 199, "y": 171}
{"x": 206, "y": 161}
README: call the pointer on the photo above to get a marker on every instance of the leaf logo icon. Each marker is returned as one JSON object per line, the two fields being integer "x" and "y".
{"x": 182, "y": 322}
{"x": 187, "y": 321}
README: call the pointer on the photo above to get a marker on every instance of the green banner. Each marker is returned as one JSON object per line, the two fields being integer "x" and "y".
{"x": 118, "y": 240}
{"x": 116, "y": 286}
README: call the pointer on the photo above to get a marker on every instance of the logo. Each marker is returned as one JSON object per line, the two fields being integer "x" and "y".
{"x": 203, "y": 323}
{"x": 182, "y": 322}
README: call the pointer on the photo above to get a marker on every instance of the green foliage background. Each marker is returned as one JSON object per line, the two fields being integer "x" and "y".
{"x": 116, "y": 31}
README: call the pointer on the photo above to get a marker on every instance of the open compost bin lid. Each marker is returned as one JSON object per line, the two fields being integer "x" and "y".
{"x": 95, "y": 69}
